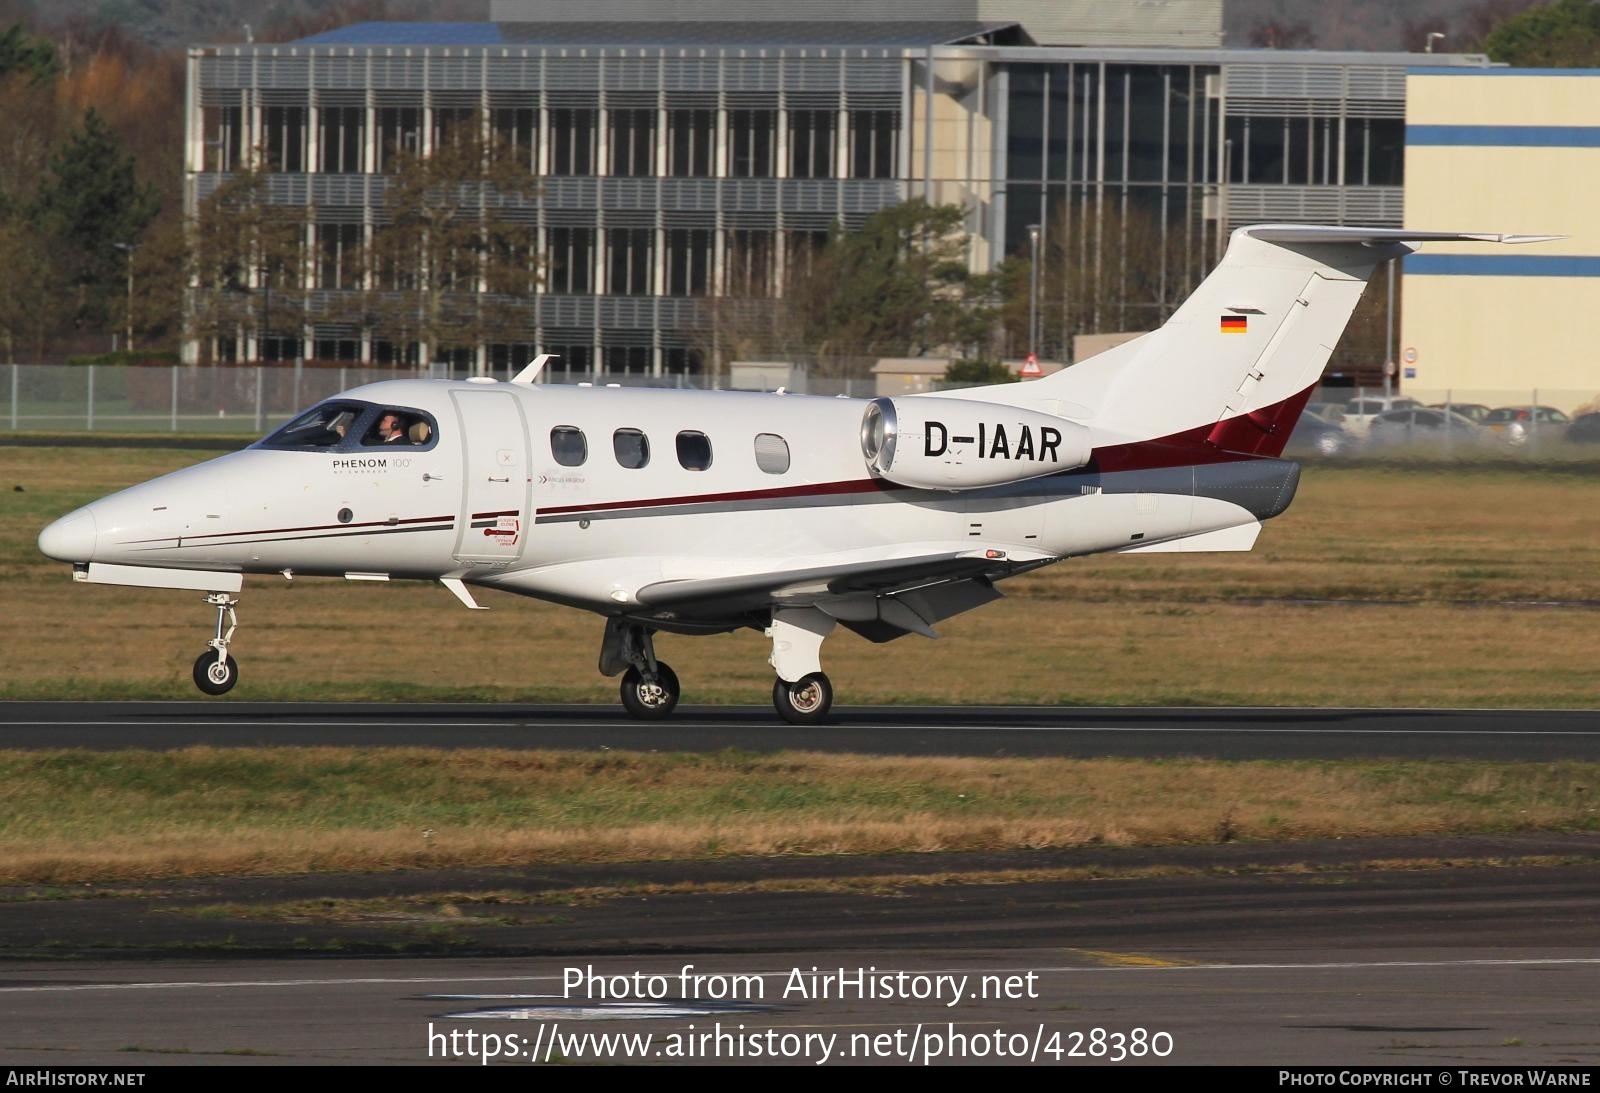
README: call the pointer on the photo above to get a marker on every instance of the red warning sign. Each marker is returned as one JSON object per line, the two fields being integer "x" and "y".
{"x": 1030, "y": 367}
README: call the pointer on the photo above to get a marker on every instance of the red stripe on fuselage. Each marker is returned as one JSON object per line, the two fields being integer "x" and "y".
{"x": 860, "y": 485}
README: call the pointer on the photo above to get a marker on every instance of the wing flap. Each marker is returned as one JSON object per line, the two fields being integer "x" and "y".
{"x": 806, "y": 584}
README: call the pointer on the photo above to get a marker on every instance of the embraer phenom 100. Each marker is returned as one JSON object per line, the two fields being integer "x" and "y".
{"x": 697, "y": 512}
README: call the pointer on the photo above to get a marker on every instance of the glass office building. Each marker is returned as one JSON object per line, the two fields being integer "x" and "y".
{"x": 685, "y": 168}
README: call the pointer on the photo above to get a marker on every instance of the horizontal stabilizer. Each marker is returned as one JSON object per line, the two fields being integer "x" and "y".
{"x": 1299, "y": 233}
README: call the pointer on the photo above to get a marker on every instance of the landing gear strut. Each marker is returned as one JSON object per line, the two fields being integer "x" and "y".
{"x": 649, "y": 686}
{"x": 215, "y": 672}
{"x": 802, "y": 693}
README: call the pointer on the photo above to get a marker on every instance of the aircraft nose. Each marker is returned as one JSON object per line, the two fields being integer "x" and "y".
{"x": 71, "y": 538}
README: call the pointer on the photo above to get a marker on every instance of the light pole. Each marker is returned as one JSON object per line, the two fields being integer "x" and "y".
{"x": 1433, "y": 36}
{"x": 1033, "y": 288}
{"x": 128, "y": 249}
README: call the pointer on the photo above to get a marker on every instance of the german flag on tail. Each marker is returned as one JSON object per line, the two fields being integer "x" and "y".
{"x": 1235, "y": 324}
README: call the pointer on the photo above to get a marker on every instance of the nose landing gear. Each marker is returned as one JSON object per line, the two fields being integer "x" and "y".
{"x": 215, "y": 671}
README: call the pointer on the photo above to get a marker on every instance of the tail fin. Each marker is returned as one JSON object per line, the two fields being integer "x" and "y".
{"x": 1234, "y": 366}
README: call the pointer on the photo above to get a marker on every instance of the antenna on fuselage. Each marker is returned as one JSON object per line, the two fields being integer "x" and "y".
{"x": 531, "y": 373}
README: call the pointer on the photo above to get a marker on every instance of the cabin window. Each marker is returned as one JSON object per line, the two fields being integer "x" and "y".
{"x": 631, "y": 447}
{"x": 323, "y": 426}
{"x": 772, "y": 453}
{"x": 694, "y": 450}
{"x": 568, "y": 446}
{"x": 395, "y": 428}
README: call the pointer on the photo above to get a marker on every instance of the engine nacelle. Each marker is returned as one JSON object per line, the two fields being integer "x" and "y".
{"x": 957, "y": 444}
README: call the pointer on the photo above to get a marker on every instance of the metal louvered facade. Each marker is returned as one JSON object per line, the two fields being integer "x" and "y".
{"x": 678, "y": 183}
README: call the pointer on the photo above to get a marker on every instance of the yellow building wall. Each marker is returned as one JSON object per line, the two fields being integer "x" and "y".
{"x": 1496, "y": 338}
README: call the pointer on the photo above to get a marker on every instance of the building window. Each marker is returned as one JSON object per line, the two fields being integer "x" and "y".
{"x": 874, "y": 138}
{"x": 750, "y": 137}
{"x": 453, "y": 125}
{"x": 627, "y": 359}
{"x": 691, "y": 136}
{"x": 568, "y": 446}
{"x": 676, "y": 360}
{"x": 811, "y": 143}
{"x": 516, "y": 132}
{"x": 772, "y": 453}
{"x": 225, "y": 137}
{"x": 341, "y": 131}
{"x": 633, "y": 143}
{"x": 628, "y": 260}
{"x": 749, "y": 262}
{"x": 694, "y": 450}
{"x": 399, "y": 128}
{"x": 688, "y": 261}
{"x": 632, "y": 448}
{"x": 572, "y": 141}
{"x": 569, "y": 259}
{"x": 285, "y": 137}
{"x": 338, "y": 256}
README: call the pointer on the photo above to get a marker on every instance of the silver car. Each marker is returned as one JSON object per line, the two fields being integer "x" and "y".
{"x": 1422, "y": 425}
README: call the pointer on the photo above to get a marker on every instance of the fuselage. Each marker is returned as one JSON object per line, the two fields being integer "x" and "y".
{"x": 584, "y": 494}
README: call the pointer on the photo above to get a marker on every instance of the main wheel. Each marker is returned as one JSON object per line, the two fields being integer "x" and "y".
{"x": 805, "y": 702}
{"x": 650, "y": 701}
{"x": 215, "y": 678}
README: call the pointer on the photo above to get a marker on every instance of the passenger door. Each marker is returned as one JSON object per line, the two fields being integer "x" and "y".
{"x": 495, "y": 516}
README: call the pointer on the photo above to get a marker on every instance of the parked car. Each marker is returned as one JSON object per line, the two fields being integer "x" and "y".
{"x": 1474, "y": 412}
{"x": 1315, "y": 433}
{"x": 1359, "y": 412}
{"x": 1585, "y": 429}
{"x": 1520, "y": 424}
{"x": 1332, "y": 412}
{"x": 1422, "y": 425}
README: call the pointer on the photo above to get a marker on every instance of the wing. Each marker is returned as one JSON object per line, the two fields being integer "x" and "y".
{"x": 880, "y": 598}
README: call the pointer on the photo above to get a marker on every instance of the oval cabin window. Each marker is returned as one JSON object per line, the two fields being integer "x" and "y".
{"x": 772, "y": 453}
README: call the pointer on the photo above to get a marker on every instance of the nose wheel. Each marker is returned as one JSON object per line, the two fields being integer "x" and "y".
{"x": 215, "y": 671}
{"x": 805, "y": 701}
{"x": 214, "y": 675}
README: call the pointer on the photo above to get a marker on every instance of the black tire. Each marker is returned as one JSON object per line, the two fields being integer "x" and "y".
{"x": 804, "y": 702}
{"x": 214, "y": 678}
{"x": 650, "y": 701}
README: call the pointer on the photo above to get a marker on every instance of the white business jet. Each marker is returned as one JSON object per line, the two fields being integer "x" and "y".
{"x": 697, "y": 512}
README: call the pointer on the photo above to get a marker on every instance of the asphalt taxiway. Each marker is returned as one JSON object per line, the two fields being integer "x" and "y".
{"x": 1222, "y": 732}
{"x": 1344, "y": 952}
{"x": 1466, "y": 951}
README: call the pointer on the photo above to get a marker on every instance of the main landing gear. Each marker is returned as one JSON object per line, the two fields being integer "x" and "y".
{"x": 215, "y": 672}
{"x": 802, "y": 694}
{"x": 649, "y": 686}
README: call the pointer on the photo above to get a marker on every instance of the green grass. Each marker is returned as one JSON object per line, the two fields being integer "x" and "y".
{"x": 71, "y": 817}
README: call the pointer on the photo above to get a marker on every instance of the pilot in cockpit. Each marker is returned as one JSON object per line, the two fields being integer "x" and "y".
{"x": 392, "y": 428}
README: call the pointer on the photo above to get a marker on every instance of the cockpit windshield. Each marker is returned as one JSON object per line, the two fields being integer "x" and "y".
{"x": 322, "y": 426}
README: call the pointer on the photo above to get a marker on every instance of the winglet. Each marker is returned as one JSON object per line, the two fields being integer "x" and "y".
{"x": 528, "y": 375}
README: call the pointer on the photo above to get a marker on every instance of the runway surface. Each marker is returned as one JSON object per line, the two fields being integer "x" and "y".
{"x": 1332, "y": 953}
{"x": 1431, "y": 951}
{"x": 1224, "y": 733}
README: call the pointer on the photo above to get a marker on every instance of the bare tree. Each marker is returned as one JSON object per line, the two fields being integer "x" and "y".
{"x": 451, "y": 263}
{"x": 247, "y": 262}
